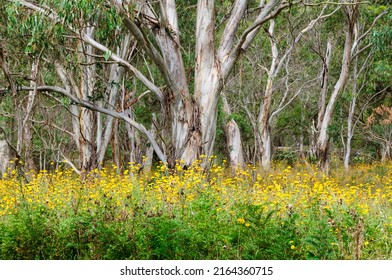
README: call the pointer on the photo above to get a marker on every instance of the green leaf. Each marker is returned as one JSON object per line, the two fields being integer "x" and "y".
{"x": 107, "y": 55}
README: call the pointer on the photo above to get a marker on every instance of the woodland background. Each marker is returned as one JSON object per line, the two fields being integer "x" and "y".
{"x": 86, "y": 82}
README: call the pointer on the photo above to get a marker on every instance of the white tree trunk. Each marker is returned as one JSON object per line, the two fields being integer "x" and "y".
{"x": 192, "y": 118}
{"x": 265, "y": 106}
{"x": 324, "y": 84}
{"x": 5, "y": 153}
{"x": 266, "y": 149}
{"x": 207, "y": 82}
{"x": 183, "y": 129}
{"x": 87, "y": 126}
{"x": 27, "y": 130}
{"x": 131, "y": 131}
{"x": 83, "y": 120}
{"x": 347, "y": 153}
{"x": 233, "y": 137}
{"x": 350, "y": 118}
{"x": 359, "y": 34}
{"x": 116, "y": 153}
{"x": 265, "y": 115}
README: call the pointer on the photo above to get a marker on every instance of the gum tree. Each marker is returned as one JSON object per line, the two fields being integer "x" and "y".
{"x": 351, "y": 50}
{"x": 189, "y": 109}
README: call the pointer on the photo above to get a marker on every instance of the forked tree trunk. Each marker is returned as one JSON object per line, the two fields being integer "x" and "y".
{"x": 264, "y": 136}
{"x": 265, "y": 116}
{"x": 322, "y": 151}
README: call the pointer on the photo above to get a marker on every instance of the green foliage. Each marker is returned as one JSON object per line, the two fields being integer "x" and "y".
{"x": 198, "y": 233}
{"x": 27, "y": 235}
{"x": 287, "y": 156}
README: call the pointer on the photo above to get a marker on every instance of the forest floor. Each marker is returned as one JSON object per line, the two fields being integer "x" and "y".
{"x": 286, "y": 213}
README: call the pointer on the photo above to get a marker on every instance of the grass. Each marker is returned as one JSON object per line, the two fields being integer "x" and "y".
{"x": 287, "y": 213}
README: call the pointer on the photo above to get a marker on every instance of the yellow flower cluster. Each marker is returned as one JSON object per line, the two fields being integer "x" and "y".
{"x": 367, "y": 188}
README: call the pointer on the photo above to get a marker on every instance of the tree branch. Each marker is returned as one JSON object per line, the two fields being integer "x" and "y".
{"x": 91, "y": 106}
{"x": 265, "y": 15}
{"x": 336, "y": 3}
{"x": 89, "y": 40}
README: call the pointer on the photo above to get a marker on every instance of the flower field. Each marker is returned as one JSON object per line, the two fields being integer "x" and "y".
{"x": 286, "y": 213}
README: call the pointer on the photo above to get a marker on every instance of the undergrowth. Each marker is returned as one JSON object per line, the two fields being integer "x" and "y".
{"x": 287, "y": 213}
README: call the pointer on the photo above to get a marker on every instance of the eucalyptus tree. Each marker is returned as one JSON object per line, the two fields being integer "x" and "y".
{"x": 359, "y": 87}
{"x": 191, "y": 116}
{"x": 351, "y": 11}
{"x": 75, "y": 64}
{"x": 280, "y": 83}
{"x": 5, "y": 153}
{"x": 92, "y": 133}
{"x": 22, "y": 112}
